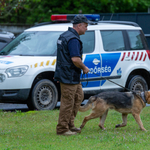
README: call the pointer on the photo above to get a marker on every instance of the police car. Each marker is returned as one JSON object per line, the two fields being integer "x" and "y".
{"x": 115, "y": 52}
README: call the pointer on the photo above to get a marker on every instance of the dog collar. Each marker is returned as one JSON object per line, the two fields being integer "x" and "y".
{"x": 143, "y": 97}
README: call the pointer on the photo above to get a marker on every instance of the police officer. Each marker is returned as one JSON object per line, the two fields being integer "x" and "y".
{"x": 68, "y": 70}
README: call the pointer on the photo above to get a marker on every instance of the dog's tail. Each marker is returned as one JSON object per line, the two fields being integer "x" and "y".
{"x": 88, "y": 105}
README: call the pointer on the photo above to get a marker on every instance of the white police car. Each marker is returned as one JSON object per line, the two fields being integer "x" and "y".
{"x": 113, "y": 51}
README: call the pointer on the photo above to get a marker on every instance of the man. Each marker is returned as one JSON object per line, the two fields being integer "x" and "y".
{"x": 68, "y": 70}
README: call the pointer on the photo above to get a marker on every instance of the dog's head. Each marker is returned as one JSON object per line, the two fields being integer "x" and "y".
{"x": 147, "y": 96}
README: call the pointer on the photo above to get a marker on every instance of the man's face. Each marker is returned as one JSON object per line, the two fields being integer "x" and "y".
{"x": 82, "y": 28}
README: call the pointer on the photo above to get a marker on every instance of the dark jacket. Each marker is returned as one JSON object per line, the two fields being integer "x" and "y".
{"x": 66, "y": 71}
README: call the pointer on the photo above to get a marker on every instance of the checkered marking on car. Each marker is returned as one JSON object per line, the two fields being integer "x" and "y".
{"x": 136, "y": 56}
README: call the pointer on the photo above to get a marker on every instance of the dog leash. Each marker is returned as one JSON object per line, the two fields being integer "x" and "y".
{"x": 111, "y": 82}
{"x": 135, "y": 93}
{"x": 108, "y": 80}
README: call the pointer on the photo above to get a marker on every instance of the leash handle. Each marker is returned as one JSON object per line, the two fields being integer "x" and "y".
{"x": 87, "y": 79}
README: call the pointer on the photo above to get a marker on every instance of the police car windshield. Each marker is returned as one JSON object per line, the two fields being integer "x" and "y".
{"x": 37, "y": 43}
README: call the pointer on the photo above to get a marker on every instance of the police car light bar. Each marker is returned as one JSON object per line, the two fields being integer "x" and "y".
{"x": 94, "y": 17}
{"x": 69, "y": 17}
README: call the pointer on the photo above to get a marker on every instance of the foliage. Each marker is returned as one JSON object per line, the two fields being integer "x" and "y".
{"x": 32, "y": 11}
{"x": 36, "y": 130}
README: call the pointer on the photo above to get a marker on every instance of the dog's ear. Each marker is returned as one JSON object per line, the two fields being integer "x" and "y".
{"x": 148, "y": 97}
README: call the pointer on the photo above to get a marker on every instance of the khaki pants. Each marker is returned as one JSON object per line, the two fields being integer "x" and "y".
{"x": 71, "y": 98}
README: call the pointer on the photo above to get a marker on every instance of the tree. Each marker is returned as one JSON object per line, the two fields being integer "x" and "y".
{"x": 32, "y": 11}
{"x": 15, "y": 11}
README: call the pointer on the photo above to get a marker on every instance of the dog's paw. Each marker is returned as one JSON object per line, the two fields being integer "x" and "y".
{"x": 118, "y": 125}
{"x": 81, "y": 127}
{"x": 102, "y": 127}
{"x": 144, "y": 130}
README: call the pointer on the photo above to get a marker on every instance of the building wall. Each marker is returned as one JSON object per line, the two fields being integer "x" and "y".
{"x": 16, "y": 29}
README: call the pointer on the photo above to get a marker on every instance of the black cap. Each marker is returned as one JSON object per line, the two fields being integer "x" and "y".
{"x": 80, "y": 19}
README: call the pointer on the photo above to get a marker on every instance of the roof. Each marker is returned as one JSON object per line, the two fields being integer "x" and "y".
{"x": 99, "y": 25}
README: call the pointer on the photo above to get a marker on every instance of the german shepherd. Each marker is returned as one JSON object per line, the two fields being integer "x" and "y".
{"x": 123, "y": 102}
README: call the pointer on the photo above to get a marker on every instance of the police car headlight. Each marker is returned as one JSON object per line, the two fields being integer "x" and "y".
{"x": 2, "y": 78}
{"x": 16, "y": 71}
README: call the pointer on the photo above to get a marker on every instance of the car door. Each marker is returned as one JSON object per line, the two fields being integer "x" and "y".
{"x": 92, "y": 59}
{"x": 113, "y": 47}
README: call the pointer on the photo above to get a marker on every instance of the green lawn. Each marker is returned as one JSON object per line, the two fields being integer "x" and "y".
{"x": 36, "y": 130}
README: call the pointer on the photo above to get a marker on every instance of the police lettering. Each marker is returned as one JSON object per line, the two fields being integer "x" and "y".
{"x": 100, "y": 69}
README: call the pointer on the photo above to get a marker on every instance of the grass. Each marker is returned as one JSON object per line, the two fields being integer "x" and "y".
{"x": 36, "y": 130}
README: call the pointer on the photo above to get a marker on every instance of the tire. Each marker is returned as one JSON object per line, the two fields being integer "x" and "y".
{"x": 44, "y": 96}
{"x": 137, "y": 83}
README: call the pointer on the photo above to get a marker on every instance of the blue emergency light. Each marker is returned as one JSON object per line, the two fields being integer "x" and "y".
{"x": 94, "y": 17}
{"x": 69, "y": 17}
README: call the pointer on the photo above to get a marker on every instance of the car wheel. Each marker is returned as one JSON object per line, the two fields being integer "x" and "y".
{"x": 44, "y": 95}
{"x": 137, "y": 83}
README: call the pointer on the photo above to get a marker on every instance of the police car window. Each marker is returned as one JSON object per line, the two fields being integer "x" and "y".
{"x": 88, "y": 40}
{"x": 135, "y": 40}
{"x": 37, "y": 43}
{"x": 113, "y": 40}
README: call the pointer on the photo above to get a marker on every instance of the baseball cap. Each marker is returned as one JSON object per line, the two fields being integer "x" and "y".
{"x": 80, "y": 19}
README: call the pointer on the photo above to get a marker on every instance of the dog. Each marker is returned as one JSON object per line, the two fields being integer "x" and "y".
{"x": 123, "y": 102}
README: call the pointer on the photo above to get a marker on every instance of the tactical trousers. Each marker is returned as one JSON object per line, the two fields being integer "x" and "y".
{"x": 71, "y": 98}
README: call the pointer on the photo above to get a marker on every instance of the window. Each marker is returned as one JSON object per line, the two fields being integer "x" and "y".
{"x": 148, "y": 41}
{"x": 113, "y": 40}
{"x": 88, "y": 40}
{"x": 37, "y": 43}
{"x": 135, "y": 40}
